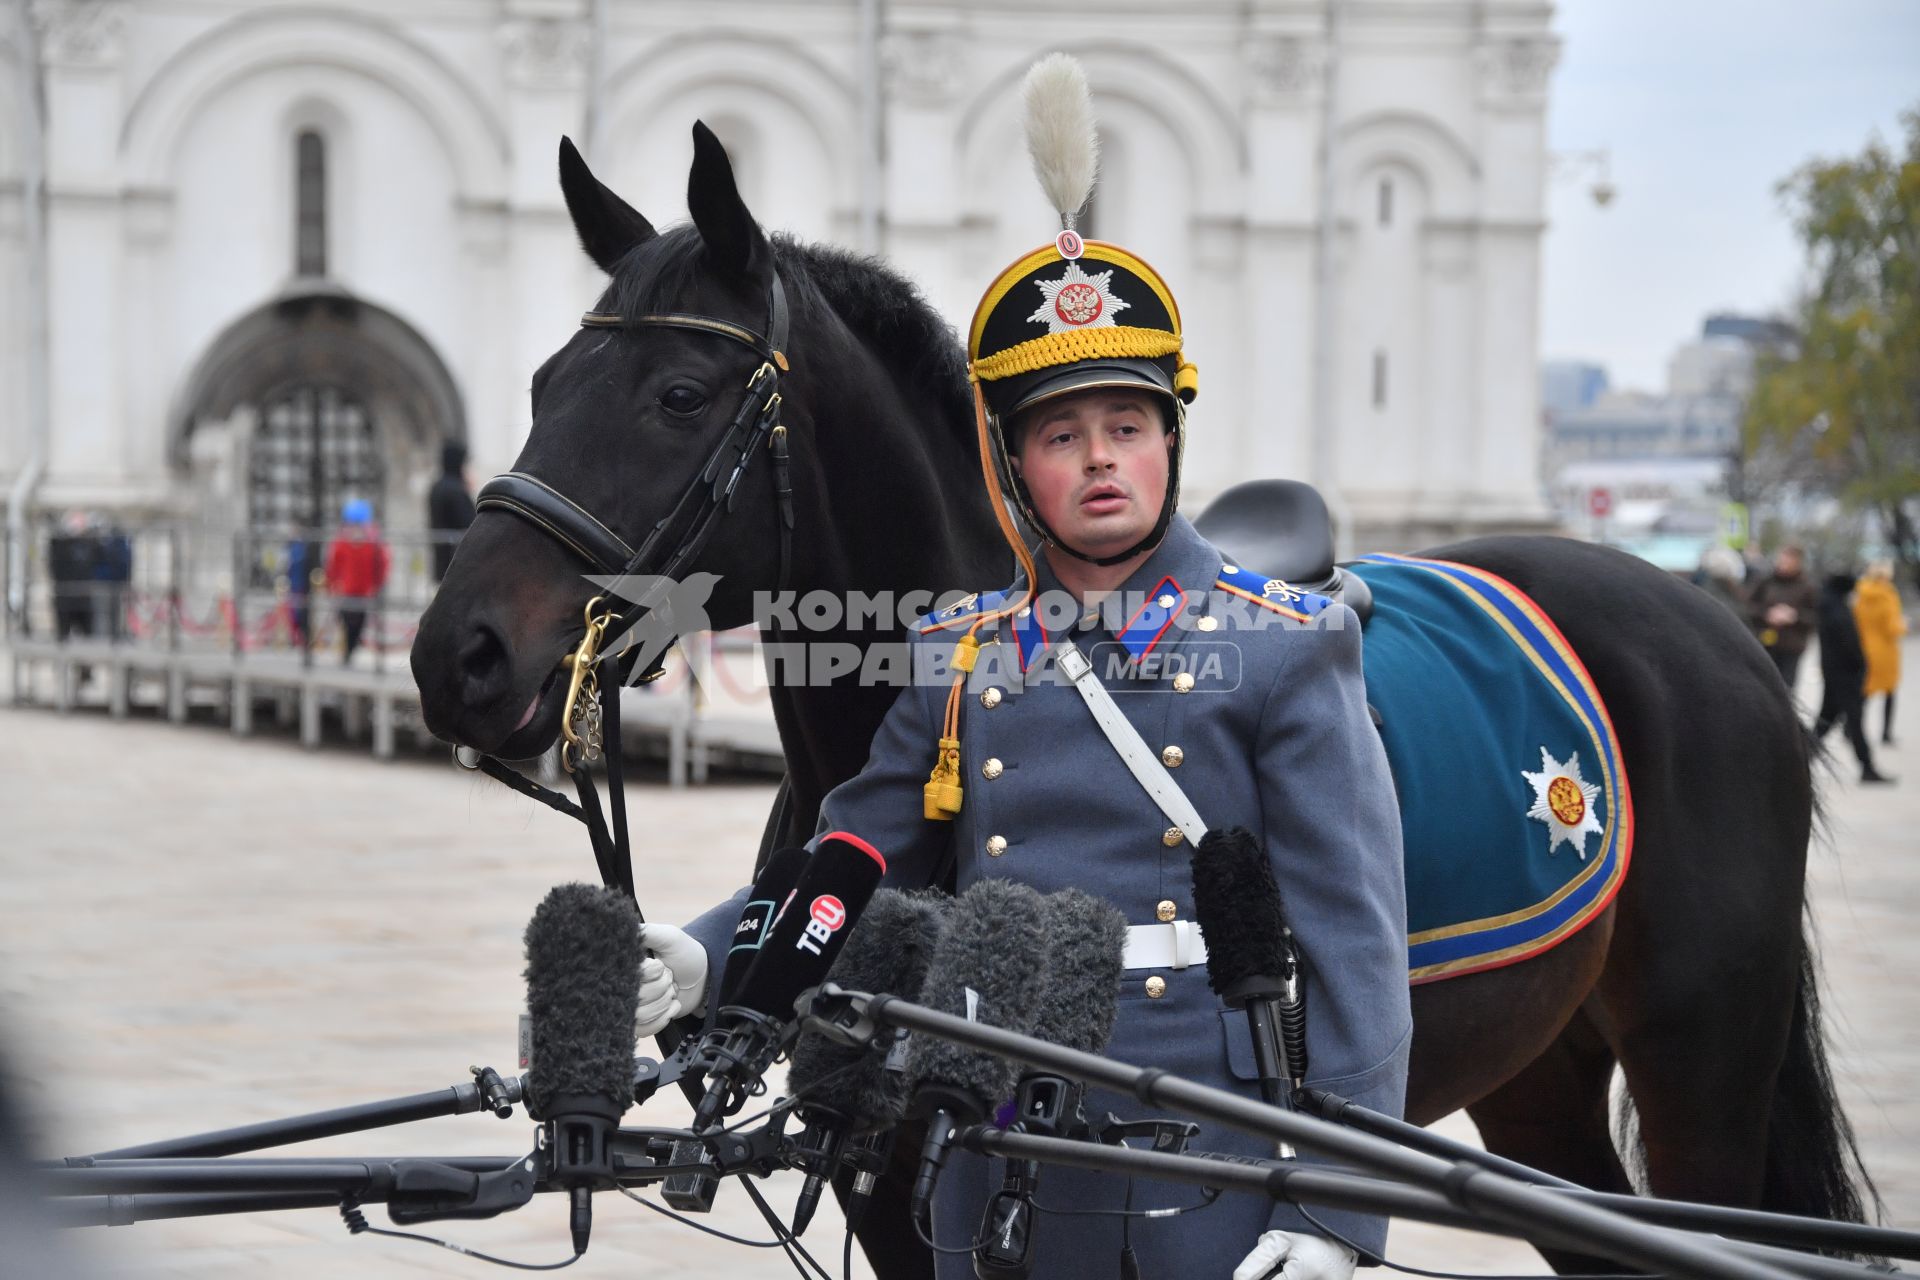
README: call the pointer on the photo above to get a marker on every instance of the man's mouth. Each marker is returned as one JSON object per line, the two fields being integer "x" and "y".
{"x": 1103, "y": 498}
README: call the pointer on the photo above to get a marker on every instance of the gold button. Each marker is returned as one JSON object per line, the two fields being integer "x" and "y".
{"x": 1172, "y": 837}
{"x": 1156, "y": 987}
{"x": 1209, "y": 624}
{"x": 1183, "y": 683}
{"x": 1165, "y": 602}
{"x": 1165, "y": 911}
{"x": 991, "y": 769}
{"x": 1172, "y": 756}
{"x": 990, "y": 698}
{"x": 996, "y": 845}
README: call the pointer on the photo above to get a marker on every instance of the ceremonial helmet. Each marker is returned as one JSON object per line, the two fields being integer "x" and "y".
{"x": 1074, "y": 314}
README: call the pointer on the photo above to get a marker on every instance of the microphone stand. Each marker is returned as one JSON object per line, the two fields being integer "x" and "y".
{"x": 1287, "y": 1181}
{"x": 1541, "y": 1213}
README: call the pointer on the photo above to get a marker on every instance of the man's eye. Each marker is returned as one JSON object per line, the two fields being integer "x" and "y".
{"x": 682, "y": 402}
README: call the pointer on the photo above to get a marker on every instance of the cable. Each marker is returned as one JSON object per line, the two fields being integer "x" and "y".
{"x": 357, "y": 1225}
{"x": 792, "y": 1243}
{"x": 921, "y": 1229}
{"x": 846, "y": 1257}
{"x": 791, "y": 1101}
{"x": 683, "y": 1220}
{"x": 1391, "y": 1265}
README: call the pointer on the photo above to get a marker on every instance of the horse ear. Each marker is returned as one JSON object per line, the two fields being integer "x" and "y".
{"x": 607, "y": 225}
{"x": 719, "y": 214}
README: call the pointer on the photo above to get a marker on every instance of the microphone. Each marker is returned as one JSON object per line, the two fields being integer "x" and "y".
{"x": 848, "y": 1088}
{"x": 984, "y": 971}
{"x": 800, "y": 947}
{"x": 1250, "y": 958}
{"x": 1087, "y": 941}
{"x": 769, "y": 893}
{"x": 583, "y": 952}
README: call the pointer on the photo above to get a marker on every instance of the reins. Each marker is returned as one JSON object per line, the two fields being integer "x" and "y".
{"x": 589, "y": 726}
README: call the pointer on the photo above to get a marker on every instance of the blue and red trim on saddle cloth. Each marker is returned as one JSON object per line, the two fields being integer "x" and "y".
{"x": 1506, "y": 764}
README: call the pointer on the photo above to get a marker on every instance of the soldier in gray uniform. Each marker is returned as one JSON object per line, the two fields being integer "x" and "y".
{"x": 1249, "y": 691}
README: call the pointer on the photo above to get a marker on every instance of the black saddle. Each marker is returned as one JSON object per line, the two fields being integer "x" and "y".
{"x": 1281, "y": 528}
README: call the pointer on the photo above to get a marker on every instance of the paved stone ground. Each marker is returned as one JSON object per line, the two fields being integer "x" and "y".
{"x": 197, "y": 932}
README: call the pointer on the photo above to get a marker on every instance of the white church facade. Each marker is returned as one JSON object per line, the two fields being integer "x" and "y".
{"x": 275, "y": 226}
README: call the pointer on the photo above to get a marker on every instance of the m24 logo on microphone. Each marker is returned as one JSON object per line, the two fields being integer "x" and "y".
{"x": 827, "y": 914}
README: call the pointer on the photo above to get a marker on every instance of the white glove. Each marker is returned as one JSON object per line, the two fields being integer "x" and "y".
{"x": 673, "y": 978}
{"x": 1307, "y": 1258}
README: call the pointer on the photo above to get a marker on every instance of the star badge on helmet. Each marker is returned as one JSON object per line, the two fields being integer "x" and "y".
{"x": 1078, "y": 301}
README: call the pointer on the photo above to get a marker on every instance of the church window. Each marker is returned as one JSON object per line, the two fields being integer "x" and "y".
{"x": 310, "y": 204}
{"x": 1386, "y": 202}
{"x": 1379, "y": 379}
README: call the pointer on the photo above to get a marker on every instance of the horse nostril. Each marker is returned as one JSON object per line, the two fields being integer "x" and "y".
{"x": 484, "y": 667}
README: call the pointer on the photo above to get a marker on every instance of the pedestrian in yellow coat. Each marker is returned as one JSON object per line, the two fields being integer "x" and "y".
{"x": 1876, "y": 611}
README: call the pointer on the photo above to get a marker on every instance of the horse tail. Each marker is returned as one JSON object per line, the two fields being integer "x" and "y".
{"x": 1813, "y": 1164}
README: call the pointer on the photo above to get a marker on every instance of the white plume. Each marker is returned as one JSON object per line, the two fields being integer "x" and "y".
{"x": 1060, "y": 133}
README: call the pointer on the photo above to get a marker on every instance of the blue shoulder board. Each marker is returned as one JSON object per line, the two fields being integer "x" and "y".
{"x": 961, "y": 612}
{"x": 1272, "y": 593}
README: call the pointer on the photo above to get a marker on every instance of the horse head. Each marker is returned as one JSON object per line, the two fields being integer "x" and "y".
{"x": 625, "y": 418}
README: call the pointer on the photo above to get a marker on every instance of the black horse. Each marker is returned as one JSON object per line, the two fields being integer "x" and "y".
{"x": 1698, "y": 980}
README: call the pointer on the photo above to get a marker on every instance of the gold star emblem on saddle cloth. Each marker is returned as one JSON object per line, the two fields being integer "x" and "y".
{"x": 1563, "y": 800}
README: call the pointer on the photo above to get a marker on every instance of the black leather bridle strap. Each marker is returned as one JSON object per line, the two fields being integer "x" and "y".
{"x": 563, "y": 519}
{"x": 709, "y": 494}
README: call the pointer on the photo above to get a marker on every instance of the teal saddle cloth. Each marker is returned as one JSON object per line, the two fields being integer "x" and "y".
{"x": 1513, "y": 795}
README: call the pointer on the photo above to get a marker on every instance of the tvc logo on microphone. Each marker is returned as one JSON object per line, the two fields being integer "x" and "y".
{"x": 827, "y": 914}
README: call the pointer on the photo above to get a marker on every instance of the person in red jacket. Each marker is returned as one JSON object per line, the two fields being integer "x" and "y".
{"x": 357, "y": 563}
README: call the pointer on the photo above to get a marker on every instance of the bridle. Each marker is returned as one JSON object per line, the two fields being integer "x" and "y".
{"x": 689, "y": 523}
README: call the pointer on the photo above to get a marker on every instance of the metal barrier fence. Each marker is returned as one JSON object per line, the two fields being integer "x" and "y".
{"x": 223, "y": 614}
{"x": 186, "y": 588}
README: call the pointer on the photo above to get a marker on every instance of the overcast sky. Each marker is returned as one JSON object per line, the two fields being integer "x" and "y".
{"x": 1703, "y": 105}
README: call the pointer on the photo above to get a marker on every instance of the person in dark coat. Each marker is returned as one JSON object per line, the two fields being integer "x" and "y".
{"x": 1782, "y": 609}
{"x": 449, "y": 506}
{"x": 72, "y": 557}
{"x": 1843, "y": 669}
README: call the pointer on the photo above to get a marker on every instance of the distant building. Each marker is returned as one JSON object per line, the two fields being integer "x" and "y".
{"x": 1566, "y": 385}
{"x": 294, "y": 247}
{"x": 1662, "y": 458}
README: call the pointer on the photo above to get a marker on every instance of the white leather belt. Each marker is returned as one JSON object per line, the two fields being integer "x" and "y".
{"x": 1175, "y": 945}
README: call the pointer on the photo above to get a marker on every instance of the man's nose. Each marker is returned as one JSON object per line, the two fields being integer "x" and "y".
{"x": 1099, "y": 454}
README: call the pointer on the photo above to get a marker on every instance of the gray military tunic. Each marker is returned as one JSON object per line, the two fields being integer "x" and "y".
{"x": 1262, "y": 720}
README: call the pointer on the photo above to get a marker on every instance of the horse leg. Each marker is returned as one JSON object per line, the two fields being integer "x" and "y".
{"x": 1553, "y": 1116}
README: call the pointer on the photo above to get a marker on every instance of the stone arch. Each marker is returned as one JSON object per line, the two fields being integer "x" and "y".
{"x": 1208, "y": 133}
{"x": 753, "y": 61}
{"x": 312, "y": 333}
{"x": 472, "y": 133}
{"x": 1418, "y": 145}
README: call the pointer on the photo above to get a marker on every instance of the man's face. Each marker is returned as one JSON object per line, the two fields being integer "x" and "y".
{"x": 1787, "y": 563}
{"x": 1096, "y": 464}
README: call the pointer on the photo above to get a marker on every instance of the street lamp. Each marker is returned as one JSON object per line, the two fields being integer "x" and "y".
{"x": 1570, "y": 166}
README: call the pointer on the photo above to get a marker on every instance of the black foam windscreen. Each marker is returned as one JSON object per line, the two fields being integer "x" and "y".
{"x": 888, "y": 954}
{"x": 807, "y": 936}
{"x": 583, "y": 985}
{"x": 776, "y": 880}
{"x": 1086, "y": 953}
{"x": 990, "y": 966}
{"x": 1237, "y": 905}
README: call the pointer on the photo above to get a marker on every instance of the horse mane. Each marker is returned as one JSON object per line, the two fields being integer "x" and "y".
{"x": 882, "y": 308}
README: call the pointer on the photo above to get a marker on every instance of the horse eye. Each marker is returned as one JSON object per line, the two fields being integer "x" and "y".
{"x": 682, "y": 402}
